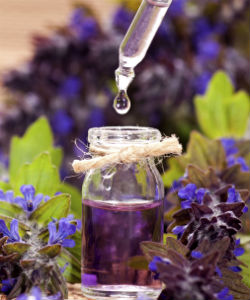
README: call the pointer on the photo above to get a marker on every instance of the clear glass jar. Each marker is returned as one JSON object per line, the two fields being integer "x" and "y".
{"x": 122, "y": 206}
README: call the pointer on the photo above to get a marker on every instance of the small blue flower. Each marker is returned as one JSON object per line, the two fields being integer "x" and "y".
{"x": 239, "y": 251}
{"x": 188, "y": 192}
{"x": 218, "y": 271}
{"x": 231, "y": 161}
{"x": 200, "y": 193}
{"x": 70, "y": 87}
{"x": 186, "y": 204}
{"x": 7, "y": 196}
{"x": 61, "y": 122}
{"x": 237, "y": 242}
{"x": 208, "y": 50}
{"x": 235, "y": 269}
{"x": 85, "y": 27}
{"x": 153, "y": 264}
{"x": 224, "y": 294}
{"x": 229, "y": 146}
{"x": 196, "y": 254}
{"x": 7, "y": 285}
{"x": 179, "y": 229}
{"x": 29, "y": 202}
{"x": 233, "y": 196}
{"x": 12, "y": 234}
{"x": 176, "y": 185}
{"x": 245, "y": 209}
{"x": 177, "y": 8}
{"x": 64, "y": 267}
{"x": 65, "y": 228}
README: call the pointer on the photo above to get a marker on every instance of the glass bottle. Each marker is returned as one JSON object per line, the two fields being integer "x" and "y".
{"x": 122, "y": 206}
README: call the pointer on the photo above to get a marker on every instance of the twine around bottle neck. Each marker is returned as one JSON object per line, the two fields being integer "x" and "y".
{"x": 103, "y": 156}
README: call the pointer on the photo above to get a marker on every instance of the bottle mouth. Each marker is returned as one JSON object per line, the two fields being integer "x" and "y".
{"x": 122, "y": 136}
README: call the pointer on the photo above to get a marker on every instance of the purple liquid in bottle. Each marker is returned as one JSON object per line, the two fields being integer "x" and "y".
{"x": 112, "y": 233}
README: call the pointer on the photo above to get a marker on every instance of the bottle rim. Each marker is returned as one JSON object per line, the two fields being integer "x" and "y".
{"x": 122, "y": 136}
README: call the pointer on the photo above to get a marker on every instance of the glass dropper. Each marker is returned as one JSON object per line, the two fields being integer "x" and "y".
{"x": 135, "y": 45}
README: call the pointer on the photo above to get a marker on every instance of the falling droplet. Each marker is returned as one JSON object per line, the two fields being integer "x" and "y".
{"x": 122, "y": 103}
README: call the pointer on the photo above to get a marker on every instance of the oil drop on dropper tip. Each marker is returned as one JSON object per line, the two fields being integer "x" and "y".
{"x": 135, "y": 45}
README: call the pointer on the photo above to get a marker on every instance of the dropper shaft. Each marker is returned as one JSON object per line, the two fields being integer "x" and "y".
{"x": 138, "y": 38}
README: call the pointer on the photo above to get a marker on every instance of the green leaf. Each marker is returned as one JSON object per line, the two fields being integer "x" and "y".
{"x": 19, "y": 248}
{"x": 5, "y": 186}
{"x": 9, "y": 209}
{"x": 41, "y": 173}
{"x": 219, "y": 109}
{"x": 73, "y": 272}
{"x": 76, "y": 198}
{"x": 37, "y": 139}
{"x": 245, "y": 258}
{"x": 51, "y": 250}
{"x": 56, "y": 207}
{"x": 138, "y": 262}
{"x": 201, "y": 152}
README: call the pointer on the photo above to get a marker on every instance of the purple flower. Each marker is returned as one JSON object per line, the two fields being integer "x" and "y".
{"x": 176, "y": 185}
{"x": 7, "y": 285}
{"x": 122, "y": 18}
{"x": 179, "y": 230}
{"x": 65, "y": 228}
{"x": 29, "y": 202}
{"x": 177, "y": 8}
{"x": 153, "y": 264}
{"x": 239, "y": 251}
{"x": 61, "y": 122}
{"x": 188, "y": 192}
{"x": 237, "y": 242}
{"x": 186, "y": 204}
{"x": 208, "y": 50}
{"x": 196, "y": 254}
{"x": 235, "y": 269}
{"x": 200, "y": 193}
{"x": 85, "y": 27}
{"x": 7, "y": 196}
{"x": 70, "y": 87}
{"x": 229, "y": 146}
{"x": 245, "y": 209}
{"x": 233, "y": 196}
{"x": 12, "y": 234}
{"x": 224, "y": 294}
{"x": 231, "y": 161}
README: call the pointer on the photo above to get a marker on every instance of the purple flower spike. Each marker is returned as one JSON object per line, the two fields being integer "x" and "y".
{"x": 188, "y": 192}
{"x": 12, "y": 234}
{"x": 239, "y": 251}
{"x": 237, "y": 242}
{"x": 243, "y": 164}
{"x": 29, "y": 202}
{"x": 59, "y": 237}
{"x": 7, "y": 285}
{"x": 196, "y": 254}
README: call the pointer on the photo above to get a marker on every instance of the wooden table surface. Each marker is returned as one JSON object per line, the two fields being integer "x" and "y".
{"x": 20, "y": 18}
